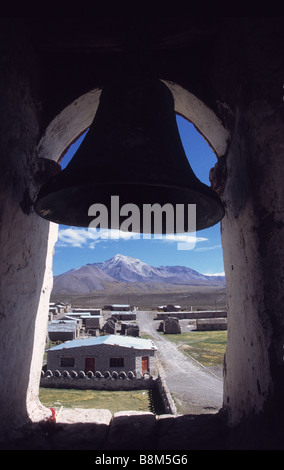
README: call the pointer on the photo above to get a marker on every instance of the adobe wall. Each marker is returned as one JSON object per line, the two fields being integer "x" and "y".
{"x": 26, "y": 241}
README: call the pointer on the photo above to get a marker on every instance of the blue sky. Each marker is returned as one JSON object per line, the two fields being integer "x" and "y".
{"x": 78, "y": 246}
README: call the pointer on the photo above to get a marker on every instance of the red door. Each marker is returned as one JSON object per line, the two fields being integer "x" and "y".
{"x": 145, "y": 364}
{"x": 89, "y": 364}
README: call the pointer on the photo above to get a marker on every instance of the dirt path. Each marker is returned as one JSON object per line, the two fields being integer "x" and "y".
{"x": 195, "y": 389}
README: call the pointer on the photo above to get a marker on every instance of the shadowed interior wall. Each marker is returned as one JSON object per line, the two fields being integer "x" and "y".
{"x": 240, "y": 79}
{"x": 26, "y": 243}
{"x": 252, "y": 237}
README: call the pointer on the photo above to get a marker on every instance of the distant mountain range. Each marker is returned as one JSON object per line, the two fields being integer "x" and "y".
{"x": 121, "y": 271}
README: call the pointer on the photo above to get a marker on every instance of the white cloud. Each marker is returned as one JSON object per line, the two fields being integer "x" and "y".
{"x": 88, "y": 237}
{"x": 71, "y": 236}
{"x": 209, "y": 248}
{"x": 184, "y": 241}
{"x": 184, "y": 238}
{"x": 214, "y": 274}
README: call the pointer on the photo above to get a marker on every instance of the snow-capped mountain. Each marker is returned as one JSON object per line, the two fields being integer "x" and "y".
{"x": 127, "y": 270}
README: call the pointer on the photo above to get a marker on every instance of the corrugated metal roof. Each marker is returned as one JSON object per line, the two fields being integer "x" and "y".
{"x": 123, "y": 312}
{"x": 59, "y": 325}
{"x": 78, "y": 314}
{"x": 114, "y": 340}
{"x": 120, "y": 305}
{"x": 91, "y": 316}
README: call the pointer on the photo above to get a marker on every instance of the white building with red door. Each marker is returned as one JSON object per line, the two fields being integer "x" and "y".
{"x": 104, "y": 353}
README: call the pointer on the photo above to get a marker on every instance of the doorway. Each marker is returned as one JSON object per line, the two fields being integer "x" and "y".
{"x": 145, "y": 364}
{"x": 89, "y": 364}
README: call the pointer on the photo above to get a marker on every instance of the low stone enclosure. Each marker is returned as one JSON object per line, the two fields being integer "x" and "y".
{"x": 192, "y": 315}
{"x": 122, "y": 381}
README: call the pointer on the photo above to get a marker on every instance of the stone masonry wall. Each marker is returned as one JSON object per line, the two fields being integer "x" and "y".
{"x": 116, "y": 381}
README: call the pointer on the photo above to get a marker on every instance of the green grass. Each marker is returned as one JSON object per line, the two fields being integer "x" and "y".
{"x": 137, "y": 400}
{"x": 207, "y": 347}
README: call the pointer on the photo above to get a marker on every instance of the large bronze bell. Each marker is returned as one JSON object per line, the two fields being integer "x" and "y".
{"x": 132, "y": 150}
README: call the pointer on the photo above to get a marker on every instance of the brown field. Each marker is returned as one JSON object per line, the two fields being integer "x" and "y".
{"x": 186, "y": 296}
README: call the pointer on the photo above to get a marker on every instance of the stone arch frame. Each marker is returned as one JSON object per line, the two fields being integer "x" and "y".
{"x": 248, "y": 382}
{"x": 73, "y": 121}
{"x": 76, "y": 118}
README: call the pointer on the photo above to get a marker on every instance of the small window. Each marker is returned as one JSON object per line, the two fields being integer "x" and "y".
{"x": 67, "y": 362}
{"x": 116, "y": 362}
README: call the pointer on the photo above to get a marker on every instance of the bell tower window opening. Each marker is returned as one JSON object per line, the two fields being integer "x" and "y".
{"x": 219, "y": 145}
{"x": 201, "y": 158}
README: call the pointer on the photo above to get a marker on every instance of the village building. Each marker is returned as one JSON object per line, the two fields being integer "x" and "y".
{"x": 78, "y": 320}
{"x": 63, "y": 330}
{"x": 123, "y": 315}
{"x": 130, "y": 329}
{"x": 210, "y": 324}
{"x": 172, "y": 308}
{"x": 110, "y": 326}
{"x": 169, "y": 308}
{"x": 52, "y": 313}
{"x": 120, "y": 307}
{"x": 91, "y": 311}
{"x": 93, "y": 322}
{"x": 104, "y": 353}
{"x": 58, "y": 308}
{"x": 192, "y": 314}
{"x": 170, "y": 326}
{"x": 80, "y": 316}
{"x": 61, "y": 308}
{"x": 85, "y": 319}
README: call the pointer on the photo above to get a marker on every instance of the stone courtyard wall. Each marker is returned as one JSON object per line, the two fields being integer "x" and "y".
{"x": 110, "y": 381}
